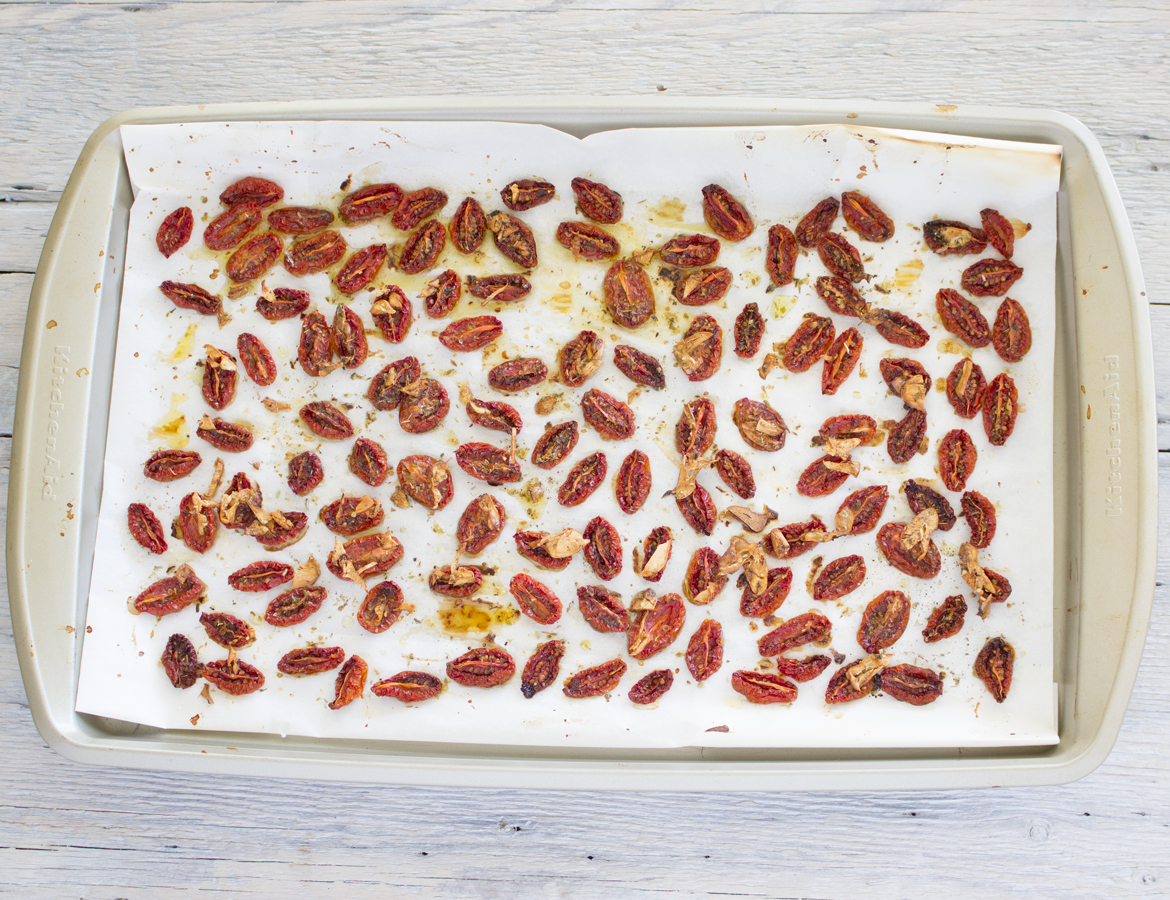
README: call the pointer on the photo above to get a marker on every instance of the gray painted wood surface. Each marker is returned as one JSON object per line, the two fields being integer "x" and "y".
{"x": 68, "y": 830}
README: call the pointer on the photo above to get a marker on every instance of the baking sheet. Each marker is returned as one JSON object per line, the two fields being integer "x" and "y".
{"x": 659, "y": 173}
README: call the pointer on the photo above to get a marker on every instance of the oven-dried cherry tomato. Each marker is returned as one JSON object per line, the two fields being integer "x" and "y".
{"x": 417, "y": 206}
{"x": 367, "y": 460}
{"x": 529, "y": 544}
{"x": 956, "y": 459}
{"x": 694, "y": 433}
{"x": 807, "y": 628}
{"x": 254, "y": 258}
{"x": 468, "y": 226}
{"x": 759, "y": 425}
{"x": 725, "y": 215}
{"x": 655, "y": 539}
{"x": 458, "y": 582}
{"x": 655, "y": 624}
{"x": 442, "y": 294}
{"x": 999, "y": 231}
{"x": 921, "y": 497}
{"x": 145, "y": 528}
{"x": 780, "y": 260}
{"x": 314, "y": 254}
{"x": 980, "y": 515}
{"x": 947, "y": 238}
{"x": 802, "y": 670}
{"x": 704, "y": 654}
{"x": 299, "y": 219}
{"x": 304, "y": 473}
{"x": 228, "y": 631}
{"x": 409, "y": 687}
{"x": 181, "y": 661}
{"x": 169, "y": 465}
{"x": 698, "y": 510}
{"x": 280, "y": 535}
{"x": 651, "y": 687}
{"x": 763, "y": 687}
{"x": 884, "y": 621}
{"x": 597, "y": 201}
{"x": 602, "y": 609}
{"x": 1012, "y": 334}
{"x": 898, "y": 328}
{"x": 770, "y": 599}
{"x": 639, "y": 367}
{"x": 261, "y": 576}
{"x": 866, "y": 217}
{"x": 234, "y": 676}
{"x": 629, "y": 296}
{"x": 526, "y": 193}
{"x": 351, "y": 681}
{"x": 252, "y": 189}
{"x": 494, "y": 415}
{"x": 473, "y": 333}
{"x": 542, "y": 668}
{"x": 284, "y": 303}
{"x": 906, "y": 436}
{"x": 841, "y": 297}
{"x": 499, "y": 288}
{"x": 865, "y": 507}
{"x": 310, "y": 660}
{"x": 698, "y": 287}
{"x": 632, "y": 485}
{"x": 913, "y": 562}
{"x": 962, "y": 318}
{"x": 193, "y": 297}
{"x": 293, "y": 607}
{"x": 818, "y": 480}
{"x": 422, "y": 406}
{"x": 604, "y": 550}
{"x": 946, "y": 619}
{"x": 170, "y": 594}
{"x": 841, "y": 690}
{"x": 990, "y": 277}
{"x": 197, "y": 522}
{"x": 965, "y": 388}
{"x": 374, "y": 554}
{"x": 736, "y": 473}
{"x": 838, "y": 578}
{"x": 228, "y": 229}
{"x": 911, "y": 684}
{"x": 487, "y": 463}
{"x": 841, "y": 359}
{"x": 808, "y": 343}
{"x": 352, "y": 515}
{"x": 349, "y": 337}
{"x": 425, "y": 480}
{"x": 360, "y": 269}
{"x": 703, "y": 583}
{"x": 326, "y": 420}
{"x": 517, "y": 374}
{"x": 841, "y": 258}
{"x": 383, "y": 606}
{"x": 817, "y": 222}
{"x": 749, "y": 331}
{"x": 257, "y": 361}
{"x": 370, "y": 202}
{"x": 580, "y": 358}
{"x": 175, "y": 231}
{"x": 554, "y": 445}
{"x": 612, "y": 419}
{"x": 513, "y": 239}
{"x": 481, "y": 523}
{"x": 535, "y": 600}
{"x": 392, "y": 313}
{"x": 422, "y": 248}
{"x": 690, "y": 251}
{"x": 1000, "y": 408}
{"x": 793, "y": 535}
{"x": 701, "y": 349}
{"x": 385, "y": 391}
{"x": 315, "y": 349}
{"x": 994, "y": 666}
{"x": 587, "y": 241}
{"x": 482, "y": 667}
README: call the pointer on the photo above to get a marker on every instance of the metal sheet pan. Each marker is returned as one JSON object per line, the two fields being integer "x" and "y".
{"x": 1104, "y": 470}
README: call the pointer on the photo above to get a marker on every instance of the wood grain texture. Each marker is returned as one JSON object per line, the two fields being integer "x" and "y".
{"x": 102, "y": 833}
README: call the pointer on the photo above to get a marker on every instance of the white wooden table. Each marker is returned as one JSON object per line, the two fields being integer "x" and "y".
{"x": 67, "y": 830}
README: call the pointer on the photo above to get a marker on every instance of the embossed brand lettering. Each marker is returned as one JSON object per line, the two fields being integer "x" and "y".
{"x": 50, "y": 474}
{"x": 1112, "y": 395}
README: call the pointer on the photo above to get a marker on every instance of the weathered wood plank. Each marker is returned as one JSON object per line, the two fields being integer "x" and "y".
{"x": 23, "y": 227}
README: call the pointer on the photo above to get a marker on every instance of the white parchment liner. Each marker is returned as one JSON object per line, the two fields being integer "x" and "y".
{"x": 780, "y": 173}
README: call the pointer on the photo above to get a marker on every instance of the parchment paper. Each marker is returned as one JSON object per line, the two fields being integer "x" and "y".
{"x": 780, "y": 173}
